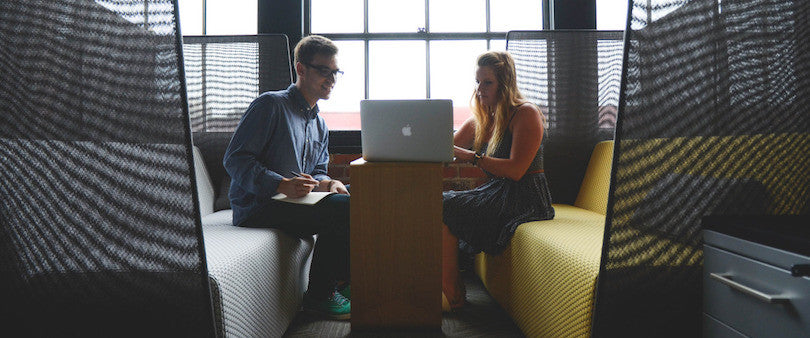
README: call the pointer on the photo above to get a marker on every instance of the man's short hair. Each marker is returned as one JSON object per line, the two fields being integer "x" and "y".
{"x": 312, "y": 45}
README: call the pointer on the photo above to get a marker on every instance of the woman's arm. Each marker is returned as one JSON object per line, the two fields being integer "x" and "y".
{"x": 465, "y": 135}
{"x": 463, "y": 141}
{"x": 527, "y": 134}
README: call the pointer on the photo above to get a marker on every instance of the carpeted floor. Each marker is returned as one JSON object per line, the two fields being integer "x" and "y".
{"x": 481, "y": 317}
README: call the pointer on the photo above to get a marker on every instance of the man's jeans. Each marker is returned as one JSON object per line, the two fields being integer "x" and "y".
{"x": 329, "y": 219}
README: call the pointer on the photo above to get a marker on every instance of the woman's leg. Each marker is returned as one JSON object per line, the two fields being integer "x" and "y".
{"x": 452, "y": 287}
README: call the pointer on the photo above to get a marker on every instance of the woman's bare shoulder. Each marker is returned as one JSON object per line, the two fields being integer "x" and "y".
{"x": 526, "y": 113}
{"x": 470, "y": 123}
{"x": 527, "y": 108}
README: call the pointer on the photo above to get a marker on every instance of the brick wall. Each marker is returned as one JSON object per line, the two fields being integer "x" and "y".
{"x": 457, "y": 176}
{"x": 339, "y": 166}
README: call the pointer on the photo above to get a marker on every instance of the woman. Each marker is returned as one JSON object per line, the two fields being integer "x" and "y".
{"x": 504, "y": 138}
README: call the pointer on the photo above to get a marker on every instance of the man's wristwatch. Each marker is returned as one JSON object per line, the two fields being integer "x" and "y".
{"x": 477, "y": 157}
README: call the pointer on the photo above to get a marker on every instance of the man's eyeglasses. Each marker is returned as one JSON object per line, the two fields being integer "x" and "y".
{"x": 325, "y": 71}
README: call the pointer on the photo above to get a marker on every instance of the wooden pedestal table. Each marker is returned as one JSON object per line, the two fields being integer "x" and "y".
{"x": 396, "y": 219}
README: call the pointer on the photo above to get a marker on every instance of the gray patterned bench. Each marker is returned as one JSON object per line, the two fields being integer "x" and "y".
{"x": 257, "y": 276}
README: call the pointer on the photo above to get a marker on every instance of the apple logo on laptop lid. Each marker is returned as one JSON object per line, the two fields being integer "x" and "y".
{"x": 406, "y": 130}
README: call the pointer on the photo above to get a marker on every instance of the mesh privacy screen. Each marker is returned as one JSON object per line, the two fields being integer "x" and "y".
{"x": 574, "y": 77}
{"x": 226, "y": 73}
{"x": 713, "y": 121}
{"x": 99, "y": 226}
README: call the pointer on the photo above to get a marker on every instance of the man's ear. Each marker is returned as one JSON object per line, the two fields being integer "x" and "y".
{"x": 299, "y": 69}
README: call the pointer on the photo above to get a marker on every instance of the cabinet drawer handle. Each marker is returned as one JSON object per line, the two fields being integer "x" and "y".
{"x": 725, "y": 279}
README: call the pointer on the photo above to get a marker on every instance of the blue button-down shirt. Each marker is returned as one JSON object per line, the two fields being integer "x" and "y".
{"x": 278, "y": 134}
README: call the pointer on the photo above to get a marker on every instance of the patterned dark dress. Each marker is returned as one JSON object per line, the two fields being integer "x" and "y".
{"x": 485, "y": 218}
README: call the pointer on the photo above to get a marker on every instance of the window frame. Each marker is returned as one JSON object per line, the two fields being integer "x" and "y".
{"x": 204, "y": 21}
{"x": 348, "y": 141}
{"x": 423, "y": 35}
{"x": 293, "y": 19}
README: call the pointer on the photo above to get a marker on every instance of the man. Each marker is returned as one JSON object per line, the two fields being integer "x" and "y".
{"x": 280, "y": 146}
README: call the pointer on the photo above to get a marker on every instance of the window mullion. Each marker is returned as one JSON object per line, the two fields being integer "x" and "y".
{"x": 365, "y": 16}
{"x": 427, "y": 48}
{"x": 427, "y": 68}
{"x": 204, "y": 15}
{"x": 488, "y": 29}
{"x": 366, "y": 47}
{"x": 307, "y": 17}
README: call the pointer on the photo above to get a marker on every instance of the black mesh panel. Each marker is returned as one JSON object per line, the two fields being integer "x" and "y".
{"x": 100, "y": 233}
{"x": 713, "y": 121}
{"x": 574, "y": 77}
{"x": 226, "y": 73}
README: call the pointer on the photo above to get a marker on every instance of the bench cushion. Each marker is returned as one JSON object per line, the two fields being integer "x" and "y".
{"x": 219, "y": 218}
{"x": 205, "y": 190}
{"x": 547, "y": 276}
{"x": 593, "y": 191}
{"x": 260, "y": 276}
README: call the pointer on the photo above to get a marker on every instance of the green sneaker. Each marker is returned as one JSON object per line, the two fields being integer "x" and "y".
{"x": 336, "y": 306}
{"x": 347, "y": 292}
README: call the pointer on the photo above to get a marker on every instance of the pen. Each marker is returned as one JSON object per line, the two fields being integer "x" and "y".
{"x": 296, "y": 174}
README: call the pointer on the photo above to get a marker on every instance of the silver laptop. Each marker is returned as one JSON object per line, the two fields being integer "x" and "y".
{"x": 407, "y": 130}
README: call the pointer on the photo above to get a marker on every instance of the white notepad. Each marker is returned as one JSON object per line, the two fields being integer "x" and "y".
{"x": 308, "y": 199}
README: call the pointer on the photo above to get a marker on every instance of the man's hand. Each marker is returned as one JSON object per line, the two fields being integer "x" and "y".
{"x": 297, "y": 186}
{"x": 338, "y": 187}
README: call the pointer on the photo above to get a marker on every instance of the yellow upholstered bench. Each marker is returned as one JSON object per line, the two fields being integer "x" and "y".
{"x": 546, "y": 277}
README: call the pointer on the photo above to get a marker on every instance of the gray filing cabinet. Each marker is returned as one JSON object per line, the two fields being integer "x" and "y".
{"x": 756, "y": 283}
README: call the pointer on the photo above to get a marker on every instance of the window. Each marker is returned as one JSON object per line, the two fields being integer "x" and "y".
{"x": 218, "y": 17}
{"x": 611, "y": 14}
{"x": 221, "y": 73}
{"x": 412, "y": 49}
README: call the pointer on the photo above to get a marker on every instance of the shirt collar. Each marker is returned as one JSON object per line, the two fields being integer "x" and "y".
{"x": 301, "y": 103}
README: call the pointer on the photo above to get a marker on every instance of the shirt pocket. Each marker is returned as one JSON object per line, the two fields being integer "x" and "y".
{"x": 313, "y": 154}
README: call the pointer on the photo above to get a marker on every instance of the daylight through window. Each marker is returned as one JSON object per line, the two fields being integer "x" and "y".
{"x": 412, "y": 49}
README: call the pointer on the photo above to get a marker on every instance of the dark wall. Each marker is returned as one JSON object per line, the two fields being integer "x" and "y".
{"x": 573, "y": 14}
{"x": 284, "y": 17}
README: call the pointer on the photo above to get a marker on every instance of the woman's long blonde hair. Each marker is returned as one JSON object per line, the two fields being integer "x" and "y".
{"x": 509, "y": 98}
